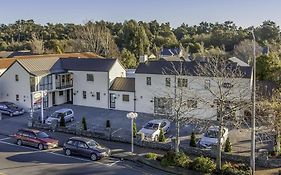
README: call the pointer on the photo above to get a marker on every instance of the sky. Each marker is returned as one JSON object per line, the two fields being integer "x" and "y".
{"x": 242, "y": 12}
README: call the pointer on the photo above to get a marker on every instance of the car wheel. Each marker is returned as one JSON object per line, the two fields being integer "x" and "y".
{"x": 156, "y": 138}
{"x": 19, "y": 142}
{"x": 67, "y": 152}
{"x": 40, "y": 146}
{"x": 94, "y": 157}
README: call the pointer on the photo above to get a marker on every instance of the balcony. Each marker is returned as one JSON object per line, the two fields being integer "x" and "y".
{"x": 65, "y": 85}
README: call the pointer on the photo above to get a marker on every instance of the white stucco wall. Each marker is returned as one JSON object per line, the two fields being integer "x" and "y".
{"x": 205, "y": 108}
{"x": 124, "y": 105}
{"x": 81, "y": 84}
{"x": 10, "y": 87}
{"x": 116, "y": 70}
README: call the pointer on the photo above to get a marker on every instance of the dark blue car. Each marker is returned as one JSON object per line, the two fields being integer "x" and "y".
{"x": 85, "y": 147}
{"x": 10, "y": 109}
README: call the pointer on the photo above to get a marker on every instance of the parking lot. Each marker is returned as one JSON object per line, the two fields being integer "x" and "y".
{"x": 96, "y": 119}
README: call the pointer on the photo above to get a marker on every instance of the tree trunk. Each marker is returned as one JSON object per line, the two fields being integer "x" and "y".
{"x": 177, "y": 144}
{"x": 277, "y": 142}
{"x": 219, "y": 146}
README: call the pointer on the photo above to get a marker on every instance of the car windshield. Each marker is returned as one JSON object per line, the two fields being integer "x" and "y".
{"x": 92, "y": 144}
{"x": 12, "y": 105}
{"x": 211, "y": 134}
{"x": 153, "y": 126}
{"x": 57, "y": 115}
{"x": 42, "y": 135}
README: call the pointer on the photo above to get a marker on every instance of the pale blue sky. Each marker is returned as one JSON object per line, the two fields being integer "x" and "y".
{"x": 242, "y": 12}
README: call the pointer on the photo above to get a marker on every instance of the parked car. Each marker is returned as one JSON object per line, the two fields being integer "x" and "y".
{"x": 10, "y": 109}
{"x": 56, "y": 116}
{"x": 210, "y": 137}
{"x": 35, "y": 138}
{"x": 85, "y": 147}
{"x": 151, "y": 129}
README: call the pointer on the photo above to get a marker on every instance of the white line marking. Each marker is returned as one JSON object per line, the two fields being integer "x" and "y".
{"x": 116, "y": 130}
{"x": 114, "y": 163}
{"x": 5, "y": 138}
{"x": 50, "y": 152}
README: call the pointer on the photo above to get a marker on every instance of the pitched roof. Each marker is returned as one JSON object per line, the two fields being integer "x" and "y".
{"x": 38, "y": 66}
{"x": 123, "y": 84}
{"x": 6, "y": 62}
{"x": 184, "y": 67}
{"x": 77, "y": 64}
{"x": 238, "y": 61}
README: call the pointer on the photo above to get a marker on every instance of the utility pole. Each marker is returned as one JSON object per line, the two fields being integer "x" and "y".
{"x": 253, "y": 136}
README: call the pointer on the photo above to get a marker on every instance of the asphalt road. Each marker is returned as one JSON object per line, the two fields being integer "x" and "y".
{"x": 24, "y": 160}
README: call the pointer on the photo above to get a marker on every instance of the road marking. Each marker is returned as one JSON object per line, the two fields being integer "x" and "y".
{"x": 54, "y": 153}
{"x": 5, "y": 138}
{"x": 114, "y": 163}
{"x": 116, "y": 130}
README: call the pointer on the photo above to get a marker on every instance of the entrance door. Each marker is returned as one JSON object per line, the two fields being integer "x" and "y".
{"x": 54, "y": 98}
{"x": 112, "y": 100}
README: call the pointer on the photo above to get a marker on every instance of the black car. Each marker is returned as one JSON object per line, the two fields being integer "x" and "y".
{"x": 85, "y": 147}
{"x": 10, "y": 109}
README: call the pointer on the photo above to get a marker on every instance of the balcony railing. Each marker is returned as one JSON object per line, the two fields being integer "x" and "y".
{"x": 65, "y": 85}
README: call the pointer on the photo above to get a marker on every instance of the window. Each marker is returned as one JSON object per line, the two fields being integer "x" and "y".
{"x": 163, "y": 125}
{"x": 90, "y": 77}
{"x": 207, "y": 84}
{"x": 82, "y": 145}
{"x": 148, "y": 80}
{"x": 17, "y": 97}
{"x": 72, "y": 142}
{"x": 227, "y": 85}
{"x": 17, "y": 77}
{"x": 125, "y": 97}
{"x": 168, "y": 82}
{"x": 98, "y": 95}
{"x": 60, "y": 93}
{"x": 191, "y": 103}
{"x": 45, "y": 83}
{"x": 182, "y": 82}
{"x": 84, "y": 94}
{"x": 163, "y": 105}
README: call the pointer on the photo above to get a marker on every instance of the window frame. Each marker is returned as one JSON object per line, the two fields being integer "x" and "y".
{"x": 168, "y": 82}
{"x": 90, "y": 77}
{"x": 126, "y": 97}
{"x": 16, "y": 77}
{"x": 148, "y": 81}
{"x": 97, "y": 95}
{"x": 182, "y": 82}
{"x": 84, "y": 94}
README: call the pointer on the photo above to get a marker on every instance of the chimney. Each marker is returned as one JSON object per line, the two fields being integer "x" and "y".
{"x": 143, "y": 58}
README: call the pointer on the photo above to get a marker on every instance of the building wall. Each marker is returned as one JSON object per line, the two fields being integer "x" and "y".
{"x": 10, "y": 87}
{"x": 117, "y": 70}
{"x": 81, "y": 84}
{"x": 195, "y": 90}
{"x": 124, "y": 105}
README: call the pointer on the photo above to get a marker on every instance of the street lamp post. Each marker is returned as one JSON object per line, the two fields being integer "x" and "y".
{"x": 253, "y": 143}
{"x": 132, "y": 116}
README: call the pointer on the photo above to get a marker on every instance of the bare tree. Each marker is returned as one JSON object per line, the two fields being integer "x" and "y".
{"x": 93, "y": 37}
{"x": 244, "y": 50}
{"x": 37, "y": 45}
{"x": 218, "y": 91}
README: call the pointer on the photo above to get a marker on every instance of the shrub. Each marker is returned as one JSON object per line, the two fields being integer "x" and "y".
{"x": 203, "y": 164}
{"x": 107, "y": 124}
{"x": 227, "y": 147}
{"x": 135, "y": 130}
{"x": 235, "y": 169}
{"x": 62, "y": 121}
{"x": 151, "y": 156}
{"x": 161, "y": 137}
{"x": 192, "y": 142}
{"x": 176, "y": 159}
{"x": 84, "y": 124}
{"x": 182, "y": 160}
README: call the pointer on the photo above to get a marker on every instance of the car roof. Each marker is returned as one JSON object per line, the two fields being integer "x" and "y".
{"x": 156, "y": 121}
{"x": 30, "y": 130}
{"x": 84, "y": 139}
{"x": 63, "y": 110}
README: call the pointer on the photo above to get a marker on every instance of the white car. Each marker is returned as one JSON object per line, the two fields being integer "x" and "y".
{"x": 56, "y": 116}
{"x": 210, "y": 137}
{"x": 151, "y": 129}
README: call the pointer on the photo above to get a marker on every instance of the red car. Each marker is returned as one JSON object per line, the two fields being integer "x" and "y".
{"x": 35, "y": 138}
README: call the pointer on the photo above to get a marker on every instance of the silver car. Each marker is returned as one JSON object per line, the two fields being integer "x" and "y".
{"x": 56, "y": 116}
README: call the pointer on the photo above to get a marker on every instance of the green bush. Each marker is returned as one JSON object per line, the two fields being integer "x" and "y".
{"x": 176, "y": 159}
{"x": 62, "y": 121}
{"x": 135, "y": 130}
{"x": 235, "y": 169}
{"x": 203, "y": 164}
{"x": 151, "y": 156}
{"x": 161, "y": 137}
{"x": 84, "y": 124}
{"x": 192, "y": 142}
{"x": 227, "y": 147}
